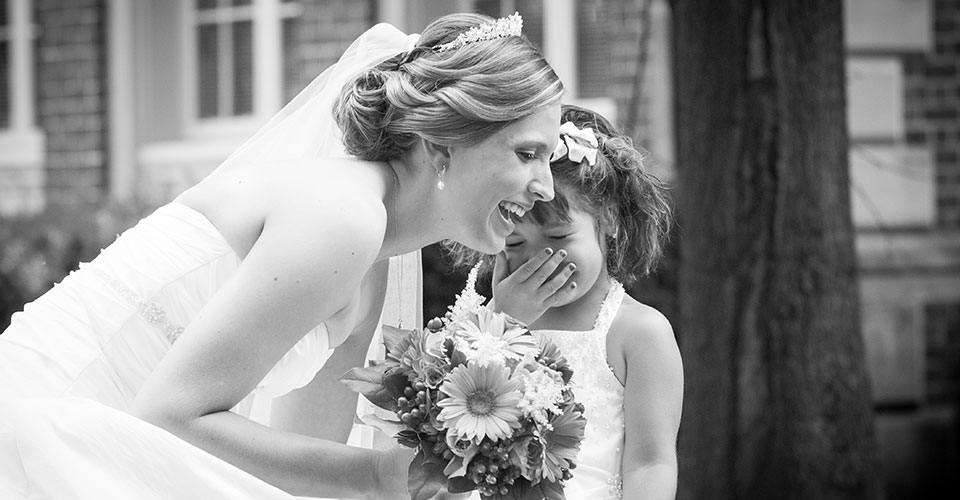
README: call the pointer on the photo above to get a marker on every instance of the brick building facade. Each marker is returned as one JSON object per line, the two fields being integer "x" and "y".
{"x": 71, "y": 86}
{"x": 932, "y": 107}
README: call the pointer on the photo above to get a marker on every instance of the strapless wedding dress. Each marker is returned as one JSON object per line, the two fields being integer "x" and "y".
{"x": 73, "y": 360}
{"x": 597, "y": 476}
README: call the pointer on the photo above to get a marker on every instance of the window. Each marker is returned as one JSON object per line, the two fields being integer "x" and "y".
{"x": 225, "y": 58}
{"x": 235, "y": 41}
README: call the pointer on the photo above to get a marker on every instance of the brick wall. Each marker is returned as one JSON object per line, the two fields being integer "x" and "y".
{"x": 72, "y": 98}
{"x": 322, "y": 33}
{"x": 623, "y": 17}
{"x": 932, "y": 107}
{"x": 942, "y": 330}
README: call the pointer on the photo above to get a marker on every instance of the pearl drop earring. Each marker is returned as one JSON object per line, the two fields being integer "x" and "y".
{"x": 440, "y": 172}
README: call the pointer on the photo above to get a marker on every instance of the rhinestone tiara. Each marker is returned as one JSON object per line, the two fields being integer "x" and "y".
{"x": 501, "y": 28}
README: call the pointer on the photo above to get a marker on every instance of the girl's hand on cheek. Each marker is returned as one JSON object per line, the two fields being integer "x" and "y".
{"x": 530, "y": 290}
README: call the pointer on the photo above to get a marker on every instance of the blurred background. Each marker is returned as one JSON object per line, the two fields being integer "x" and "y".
{"x": 109, "y": 108}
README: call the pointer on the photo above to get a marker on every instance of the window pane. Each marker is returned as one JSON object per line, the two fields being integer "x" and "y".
{"x": 292, "y": 70}
{"x": 243, "y": 68}
{"x": 593, "y": 54}
{"x": 4, "y": 86}
{"x": 3, "y": 13}
{"x": 206, "y": 4}
{"x": 242, "y": 2}
{"x": 207, "y": 71}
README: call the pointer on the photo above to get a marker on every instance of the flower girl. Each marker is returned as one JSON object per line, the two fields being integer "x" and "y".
{"x": 562, "y": 273}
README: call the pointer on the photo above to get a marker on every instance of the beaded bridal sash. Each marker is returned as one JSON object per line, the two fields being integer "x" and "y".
{"x": 152, "y": 312}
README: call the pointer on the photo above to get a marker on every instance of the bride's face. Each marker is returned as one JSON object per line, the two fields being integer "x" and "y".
{"x": 489, "y": 182}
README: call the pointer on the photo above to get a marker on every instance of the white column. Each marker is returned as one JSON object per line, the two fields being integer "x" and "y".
{"x": 560, "y": 42}
{"x": 189, "y": 60}
{"x": 21, "y": 55}
{"x": 267, "y": 59}
{"x": 122, "y": 80}
{"x": 22, "y": 143}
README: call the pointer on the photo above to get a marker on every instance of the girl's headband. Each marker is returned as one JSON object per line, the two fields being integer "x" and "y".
{"x": 576, "y": 144}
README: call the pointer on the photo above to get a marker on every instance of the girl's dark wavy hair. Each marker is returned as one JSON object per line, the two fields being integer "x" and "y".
{"x": 632, "y": 207}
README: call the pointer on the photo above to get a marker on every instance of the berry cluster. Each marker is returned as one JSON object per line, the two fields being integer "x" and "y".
{"x": 418, "y": 410}
{"x": 491, "y": 470}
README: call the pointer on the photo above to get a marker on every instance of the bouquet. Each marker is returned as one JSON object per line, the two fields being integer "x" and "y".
{"x": 486, "y": 404}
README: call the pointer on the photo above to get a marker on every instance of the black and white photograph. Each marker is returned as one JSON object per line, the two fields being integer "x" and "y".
{"x": 479, "y": 249}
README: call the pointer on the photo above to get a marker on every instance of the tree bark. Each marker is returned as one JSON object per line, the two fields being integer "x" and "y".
{"x": 777, "y": 398}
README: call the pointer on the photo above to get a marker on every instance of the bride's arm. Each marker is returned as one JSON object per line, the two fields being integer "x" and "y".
{"x": 302, "y": 270}
{"x": 653, "y": 396}
{"x": 308, "y": 410}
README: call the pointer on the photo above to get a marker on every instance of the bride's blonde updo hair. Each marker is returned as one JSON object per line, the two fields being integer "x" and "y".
{"x": 455, "y": 96}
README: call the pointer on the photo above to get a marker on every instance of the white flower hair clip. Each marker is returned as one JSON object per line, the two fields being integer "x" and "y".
{"x": 501, "y": 28}
{"x": 576, "y": 144}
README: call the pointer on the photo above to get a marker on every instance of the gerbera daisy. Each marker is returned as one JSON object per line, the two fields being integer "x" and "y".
{"x": 418, "y": 351}
{"x": 491, "y": 328}
{"x": 482, "y": 402}
{"x": 562, "y": 443}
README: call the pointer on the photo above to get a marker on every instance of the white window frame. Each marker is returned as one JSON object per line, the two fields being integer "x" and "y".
{"x": 169, "y": 166}
{"x": 267, "y": 17}
{"x": 22, "y": 142}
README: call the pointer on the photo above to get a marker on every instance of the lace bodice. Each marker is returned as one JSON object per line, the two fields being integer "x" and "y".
{"x": 597, "y": 475}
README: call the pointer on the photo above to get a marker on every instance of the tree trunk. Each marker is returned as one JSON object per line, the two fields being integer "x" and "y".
{"x": 778, "y": 403}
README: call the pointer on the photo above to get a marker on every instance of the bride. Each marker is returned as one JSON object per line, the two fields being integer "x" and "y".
{"x": 136, "y": 376}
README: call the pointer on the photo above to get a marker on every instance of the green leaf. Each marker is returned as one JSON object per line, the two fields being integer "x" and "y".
{"x": 409, "y": 438}
{"x": 426, "y": 478}
{"x": 392, "y": 336}
{"x": 460, "y": 485}
{"x": 369, "y": 382}
{"x": 552, "y": 491}
{"x": 522, "y": 490}
{"x": 394, "y": 382}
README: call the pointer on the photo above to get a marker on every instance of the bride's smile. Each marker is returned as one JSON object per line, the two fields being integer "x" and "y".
{"x": 491, "y": 184}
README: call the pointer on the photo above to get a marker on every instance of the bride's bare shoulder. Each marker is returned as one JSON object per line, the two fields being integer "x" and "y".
{"x": 311, "y": 194}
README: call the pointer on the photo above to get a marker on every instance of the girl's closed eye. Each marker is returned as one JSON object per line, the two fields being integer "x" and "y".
{"x": 527, "y": 156}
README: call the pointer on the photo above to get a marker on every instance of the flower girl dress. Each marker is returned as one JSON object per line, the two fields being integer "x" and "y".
{"x": 597, "y": 476}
